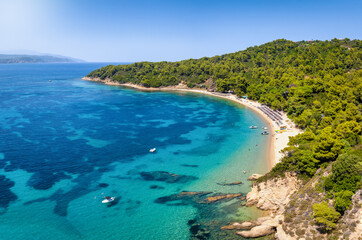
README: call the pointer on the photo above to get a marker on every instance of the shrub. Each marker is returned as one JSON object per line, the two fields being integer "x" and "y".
{"x": 325, "y": 215}
{"x": 300, "y": 232}
{"x": 342, "y": 200}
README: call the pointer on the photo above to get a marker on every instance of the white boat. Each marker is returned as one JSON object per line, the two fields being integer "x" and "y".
{"x": 265, "y": 133}
{"x": 153, "y": 150}
{"x": 253, "y": 127}
{"x": 108, "y": 199}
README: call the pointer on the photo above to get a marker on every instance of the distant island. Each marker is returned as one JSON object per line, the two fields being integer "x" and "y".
{"x": 24, "y": 58}
{"x": 315, "y": 190}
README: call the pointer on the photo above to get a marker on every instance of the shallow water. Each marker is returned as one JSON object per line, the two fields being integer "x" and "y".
{"x": 66, "y": 143}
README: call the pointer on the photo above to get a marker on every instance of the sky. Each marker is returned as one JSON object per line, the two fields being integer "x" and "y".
{"x": 166, "y": 30}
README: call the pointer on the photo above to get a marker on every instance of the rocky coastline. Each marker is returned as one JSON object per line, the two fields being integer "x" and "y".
{"x": 289, "y": 202}
{"x": 271, "y": 196}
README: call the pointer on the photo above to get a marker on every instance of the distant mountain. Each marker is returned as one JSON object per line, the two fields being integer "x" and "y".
{"x": 36, "y": 58}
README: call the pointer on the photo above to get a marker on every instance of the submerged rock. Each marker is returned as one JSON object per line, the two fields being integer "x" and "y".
{"x": 230, "y": 184}
{"x": 217, "y": 198}
{"x": 192, "y": 221}
{"x": 185, "y": 196}
{"x": 189, "y": 165}
{"x": 103, "y": 185}
{"x": 156, "y": 187}
{"x": 198, "y": 232}
{"x": 166, "y": 177}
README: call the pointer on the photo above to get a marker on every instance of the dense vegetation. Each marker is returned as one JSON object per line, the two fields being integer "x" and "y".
{"x": 318, "y": 84}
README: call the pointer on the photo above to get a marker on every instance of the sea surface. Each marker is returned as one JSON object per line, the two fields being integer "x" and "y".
{"x": 66, "y": 143}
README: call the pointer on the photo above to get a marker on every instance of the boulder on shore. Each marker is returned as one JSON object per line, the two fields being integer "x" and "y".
{"x": 240, "y": 226}
{"x": 258, "y": 231}
{"x": 254, "y": 177}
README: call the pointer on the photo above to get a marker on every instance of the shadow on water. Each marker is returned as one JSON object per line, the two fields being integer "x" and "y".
{"x": 84, "y": 185}
{"x": 6, "y": 195}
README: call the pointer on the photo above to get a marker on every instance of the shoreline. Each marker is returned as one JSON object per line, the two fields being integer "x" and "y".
{"x": 278, "y": 140}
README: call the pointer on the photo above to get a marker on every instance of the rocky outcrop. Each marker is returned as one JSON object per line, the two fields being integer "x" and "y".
{"x": 254, "y": 177}
{"x": 281, "y": 235}
{"x": 262, "y": 227}
{"x": 273, "y": 194}
{"x": 240, "y": 226}
{"x": 351, "y": 223}
{"x": 298, "y": 212}
{"x": 258, "y": 231}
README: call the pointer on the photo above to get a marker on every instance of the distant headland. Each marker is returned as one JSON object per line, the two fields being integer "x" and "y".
{"x": 35, "y": 58}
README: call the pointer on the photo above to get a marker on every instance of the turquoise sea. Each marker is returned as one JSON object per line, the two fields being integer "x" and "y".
{"x": 66, "y": 143}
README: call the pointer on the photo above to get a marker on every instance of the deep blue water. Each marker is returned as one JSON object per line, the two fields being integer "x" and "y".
{"x": 65, "y": 143}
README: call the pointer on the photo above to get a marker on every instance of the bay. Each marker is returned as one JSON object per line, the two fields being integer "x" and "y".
{"x": 66, "y": 143}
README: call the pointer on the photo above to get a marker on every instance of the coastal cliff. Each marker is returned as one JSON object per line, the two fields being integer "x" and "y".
{"x": 290, "y": 202}
{"x": 351, "y": 223}
{"x": 273, "y": 195}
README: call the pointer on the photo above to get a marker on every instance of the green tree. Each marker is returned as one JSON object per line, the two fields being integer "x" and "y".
{"x": 325, "y": 215}
{"x": 342, "y": 200}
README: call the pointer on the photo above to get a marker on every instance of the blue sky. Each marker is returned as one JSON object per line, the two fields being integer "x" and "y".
{"x": 140, "y": 30}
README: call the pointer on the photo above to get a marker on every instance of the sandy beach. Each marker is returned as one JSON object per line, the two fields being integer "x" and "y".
{"x": 279, "y": 139}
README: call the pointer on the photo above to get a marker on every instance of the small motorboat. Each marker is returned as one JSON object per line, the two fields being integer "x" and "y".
{"x": 265, "y": 133}
{"x": 253, "y": 127}
{"x": 108, "y": 199}
{"x": 265, "y": 128}
{"x": 152, "y": 150}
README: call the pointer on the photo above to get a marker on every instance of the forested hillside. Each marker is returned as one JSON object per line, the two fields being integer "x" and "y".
{"x": 319, "y": 85}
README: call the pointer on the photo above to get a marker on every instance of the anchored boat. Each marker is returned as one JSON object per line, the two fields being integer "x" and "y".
{"x": 108, "y": 199}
